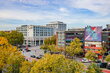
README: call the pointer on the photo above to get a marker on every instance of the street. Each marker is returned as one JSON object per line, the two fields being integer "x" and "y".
{"x": 33, "y": 51}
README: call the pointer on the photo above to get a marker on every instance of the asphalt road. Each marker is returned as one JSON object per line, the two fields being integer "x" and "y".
{"x": 33, "y": 51}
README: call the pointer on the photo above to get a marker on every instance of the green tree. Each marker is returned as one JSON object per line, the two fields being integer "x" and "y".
{"x": 14, "y": 37}
{"x": 107, "y": 58}
{"x": 74, "y": 48}
{"x": 57, "y": 64}
{"x": 3, "y": 34}
{"x": 90, "y": 55}
{"x": 93, "y": 69}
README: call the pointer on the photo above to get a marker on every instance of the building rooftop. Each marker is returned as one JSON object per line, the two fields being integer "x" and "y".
{"x": 56, "y": 22}
{"x": 77, "y": 29}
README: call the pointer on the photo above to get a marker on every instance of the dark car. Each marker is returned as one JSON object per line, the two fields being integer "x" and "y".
{"x": 38, "y": 57}
{"x": 102, "y": 65}
{"x": 98, "y": 61}
{"x": 27, "y": 50}
{"x": 20, "y": 49}
{"x": 108, "y": 66}
{"x": 33, "y": 56}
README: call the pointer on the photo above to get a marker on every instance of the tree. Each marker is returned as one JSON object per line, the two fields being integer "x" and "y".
{"x": 13, "y": 63}
{"x": 51, "y": 40}
{"x": 107, "y": 58}
{"x": 3, "y": 34}
{"x": 93, "y": 69}
{"x": 10, "y": 57}
{"x": 74, "y": 48}
{"x": 13, "y": 37}
{"x": 57, "y": 64}
{"x": 53, "y": 48}
{"x": 103, "y": 51}
{"x": 47, "y": 42}
{"x": 90, "y": 55}
{"x": 26, "y": 67}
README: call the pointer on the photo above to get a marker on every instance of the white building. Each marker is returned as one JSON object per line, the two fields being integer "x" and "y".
{"x": 34, "y": 35}
{"x": 59, "y": 26}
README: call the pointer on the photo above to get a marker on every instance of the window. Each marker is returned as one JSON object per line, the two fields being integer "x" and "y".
{"x": 93, "y": 45}
{"x": 37, "y": 33}
{"x": 41, "y": 33}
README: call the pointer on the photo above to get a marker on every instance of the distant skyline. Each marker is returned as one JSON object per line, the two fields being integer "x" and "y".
{"x": 75, "y": 13}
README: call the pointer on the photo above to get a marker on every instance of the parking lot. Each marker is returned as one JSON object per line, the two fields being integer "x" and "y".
{"x": 33, "y": 51}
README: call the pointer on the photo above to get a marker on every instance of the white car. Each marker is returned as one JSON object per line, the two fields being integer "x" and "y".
{"x": 84, "y": 60}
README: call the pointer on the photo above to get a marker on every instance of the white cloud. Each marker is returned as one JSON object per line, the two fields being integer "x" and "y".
{"x": 35, "y": 2}
{"x": 4, "y": 27}
{"x": 24, "y": 15}
{"x": 98, "y": 6}
{"x": 63, "y": 10}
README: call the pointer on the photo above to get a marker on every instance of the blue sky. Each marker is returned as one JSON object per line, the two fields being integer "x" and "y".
{"x": 75, "y": 13}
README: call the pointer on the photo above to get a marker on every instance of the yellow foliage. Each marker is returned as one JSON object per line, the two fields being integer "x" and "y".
{"x": 6, "y": 50}
{"x": 90, "y": 55}
{"x": 26, "y": 67}
{"x": 56, "y": 64}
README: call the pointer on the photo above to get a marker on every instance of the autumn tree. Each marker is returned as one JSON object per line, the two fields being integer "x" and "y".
{"x": 47, "y": 42}
{"x": 10, "y": 57}
{"x": 74, "y": 48}
{"x": 53, "y": 48}
{"x": 107, "y": 58}
{"x": 103, "y": 51}
{"x": 57, "y": 64}
{"x": 26, "y": 67}
{"x": 13, "y": 63}
{"x": 94, "y": 69}
{"x": 90, "y": 55}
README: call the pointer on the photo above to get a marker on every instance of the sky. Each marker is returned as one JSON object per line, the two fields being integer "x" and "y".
{"x": 75, "y": 13}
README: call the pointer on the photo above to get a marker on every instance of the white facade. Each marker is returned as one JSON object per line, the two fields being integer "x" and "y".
{"x": 59, "y": 26}
{"x": 34, "y": 35}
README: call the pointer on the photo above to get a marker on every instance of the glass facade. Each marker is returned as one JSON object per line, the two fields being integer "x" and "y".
{"x": 43, "y": 31}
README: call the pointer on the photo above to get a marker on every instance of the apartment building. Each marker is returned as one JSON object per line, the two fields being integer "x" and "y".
{"x": 64, "y": 38}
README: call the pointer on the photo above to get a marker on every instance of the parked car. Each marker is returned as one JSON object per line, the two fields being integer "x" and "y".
{"x": 39, "y": 57}
{"x": 20, "y": 49}
{"x": 102, "y": 65}
{"x": 84, "y": 60}
{"x": 108, "y": 66}
{"x": 33, "y": 56}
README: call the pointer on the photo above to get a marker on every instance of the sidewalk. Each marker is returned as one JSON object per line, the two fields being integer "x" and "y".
{"x": 105, "y": 70}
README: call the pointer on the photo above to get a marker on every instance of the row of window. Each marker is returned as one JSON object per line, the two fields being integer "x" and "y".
{"x": 92, "y": 49}
{"x": 43, "y": 34}
{"x": 93, "y": 45}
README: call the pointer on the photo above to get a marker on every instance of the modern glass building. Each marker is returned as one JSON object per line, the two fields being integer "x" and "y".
{"x": 34, "y": 35}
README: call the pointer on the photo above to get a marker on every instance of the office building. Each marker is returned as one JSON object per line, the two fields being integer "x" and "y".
{"x": 34, "y": 35}
{"x": 59, "y": 26}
